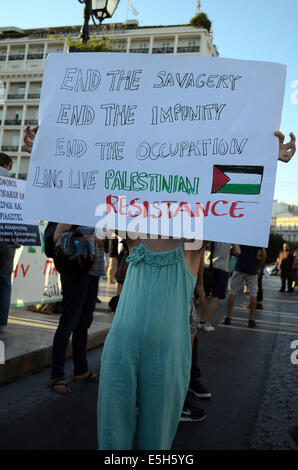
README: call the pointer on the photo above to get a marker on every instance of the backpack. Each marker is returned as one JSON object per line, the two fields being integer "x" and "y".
{"x": 73, "y": 254}
{"x": 49, "y": 246}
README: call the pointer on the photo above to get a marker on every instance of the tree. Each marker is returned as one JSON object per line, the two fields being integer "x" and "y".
{"x": 201, "y": 21}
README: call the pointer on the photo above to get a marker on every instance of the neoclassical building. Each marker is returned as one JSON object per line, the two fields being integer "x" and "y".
{"x": 284, "y": 221}
{"x": 22, "y": 60}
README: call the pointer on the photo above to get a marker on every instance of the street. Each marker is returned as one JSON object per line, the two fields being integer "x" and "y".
{"x": 248, "y": 371}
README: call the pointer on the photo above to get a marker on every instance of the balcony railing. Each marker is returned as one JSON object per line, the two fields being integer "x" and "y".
{"x": 33, "y": 96}
{"x": 10, "y": 148}
{"x": 13, "y": 122}
{"x": 16, "y": 96}
{"x": 35, "y": 56}
{"x": 2, "y": 58}
{"x": 32, "y": 122}
{"x": 189, "y": 49}
{"x": 141, "y": 51}
{"x": 22, "y": 176}
{"x": 162, "y": 50}
{"x": 16, "y": 57}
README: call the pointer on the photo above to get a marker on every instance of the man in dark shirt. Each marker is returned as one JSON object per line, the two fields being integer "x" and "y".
{"x": 247, "y": 270}
{"x": 285, "y": 263}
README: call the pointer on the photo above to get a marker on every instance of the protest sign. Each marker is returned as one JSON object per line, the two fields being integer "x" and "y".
{"x": 35, "y": 279}
{"x": 13, "y": 227}
{"x": 171, "y": 145}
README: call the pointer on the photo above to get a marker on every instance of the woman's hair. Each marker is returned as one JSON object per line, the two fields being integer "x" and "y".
{"x": 5, "y": 160}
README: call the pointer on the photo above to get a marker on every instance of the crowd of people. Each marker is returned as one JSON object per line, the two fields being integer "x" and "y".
{"x": 149, "y": 362}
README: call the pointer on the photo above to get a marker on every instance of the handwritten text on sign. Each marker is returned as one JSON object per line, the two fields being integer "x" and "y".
{"x": 154, "y": 144}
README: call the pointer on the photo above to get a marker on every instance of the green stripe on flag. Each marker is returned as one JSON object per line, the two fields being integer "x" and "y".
{"x": 240, "y": 189}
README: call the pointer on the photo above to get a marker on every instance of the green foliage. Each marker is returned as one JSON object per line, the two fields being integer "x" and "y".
{"x": 201, "y": 21}
{"x": 93, "y": 45}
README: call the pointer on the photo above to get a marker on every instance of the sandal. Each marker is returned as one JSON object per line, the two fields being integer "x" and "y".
{"x": 89, "y": 377}
{"x": 59, "y": 386}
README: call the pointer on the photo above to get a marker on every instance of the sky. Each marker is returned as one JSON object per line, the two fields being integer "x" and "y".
{"x": 263, "y": 30}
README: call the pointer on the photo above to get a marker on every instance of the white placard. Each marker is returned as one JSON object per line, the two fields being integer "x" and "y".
{"x": 139, "y": 142}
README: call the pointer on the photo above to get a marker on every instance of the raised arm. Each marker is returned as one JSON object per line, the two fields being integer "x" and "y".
{"x": 29, "y": 136}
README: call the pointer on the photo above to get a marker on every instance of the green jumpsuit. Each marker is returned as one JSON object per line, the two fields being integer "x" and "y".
{"x": 146, "y": 358}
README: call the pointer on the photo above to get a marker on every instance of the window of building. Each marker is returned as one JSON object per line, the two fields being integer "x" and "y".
{"x": 21, "y": 89}
{"x": 166, "y": 46}
{"x": 2, "y": 54}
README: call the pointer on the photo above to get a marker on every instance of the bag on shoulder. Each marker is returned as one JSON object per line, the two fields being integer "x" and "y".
{"x": 73, "y": 254}
{"x": 49, "y": 246}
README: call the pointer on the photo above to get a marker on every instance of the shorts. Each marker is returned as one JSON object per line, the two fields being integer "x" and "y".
{"x": 238, "y": 280}
{"x": 220, "y": 281}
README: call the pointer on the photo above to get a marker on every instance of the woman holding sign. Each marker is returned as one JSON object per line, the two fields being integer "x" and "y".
{"x": 146, "y": 358}
{"x": 145, "y": 364}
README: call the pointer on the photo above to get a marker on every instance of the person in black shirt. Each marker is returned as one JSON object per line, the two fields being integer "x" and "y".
{"x": 113, "y": 261}
{"x": 285, "y": 263}
{"x": 247, "y": 270}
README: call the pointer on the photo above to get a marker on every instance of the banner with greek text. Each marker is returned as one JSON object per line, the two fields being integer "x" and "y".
{"x": 160, "y": 144}
{"x": 35, "y": 279}
{"x": 13, "y": 227}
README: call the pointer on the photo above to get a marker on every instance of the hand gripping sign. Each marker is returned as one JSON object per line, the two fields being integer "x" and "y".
{"x": 155, "y": 144}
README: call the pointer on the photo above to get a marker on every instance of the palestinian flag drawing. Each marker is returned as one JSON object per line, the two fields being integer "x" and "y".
{"x": 237, "y": 179}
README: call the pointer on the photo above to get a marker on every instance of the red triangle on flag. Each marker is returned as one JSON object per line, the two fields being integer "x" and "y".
{"x": 219, "y": 179}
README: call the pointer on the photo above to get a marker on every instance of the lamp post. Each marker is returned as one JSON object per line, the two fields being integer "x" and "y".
{"x": 99, "y": 10}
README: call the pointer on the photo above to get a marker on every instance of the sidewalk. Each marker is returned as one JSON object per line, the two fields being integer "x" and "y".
{"x": 29, "y": 336}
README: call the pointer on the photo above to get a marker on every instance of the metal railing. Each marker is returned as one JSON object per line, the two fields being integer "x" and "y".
{"x": 16, "y": 57}
{"x": 32, "y": 122}
{"x": 162, "y": 50}
{"x": 13, "y": 122}
{"x": 33, "y": 96}
{"x": 16, "y": 96}
{"x": 141, "y": 51}
{"x": 10, "y": 148}
{"x": 35, "y": 56}
{"x": 189, "y": 49}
